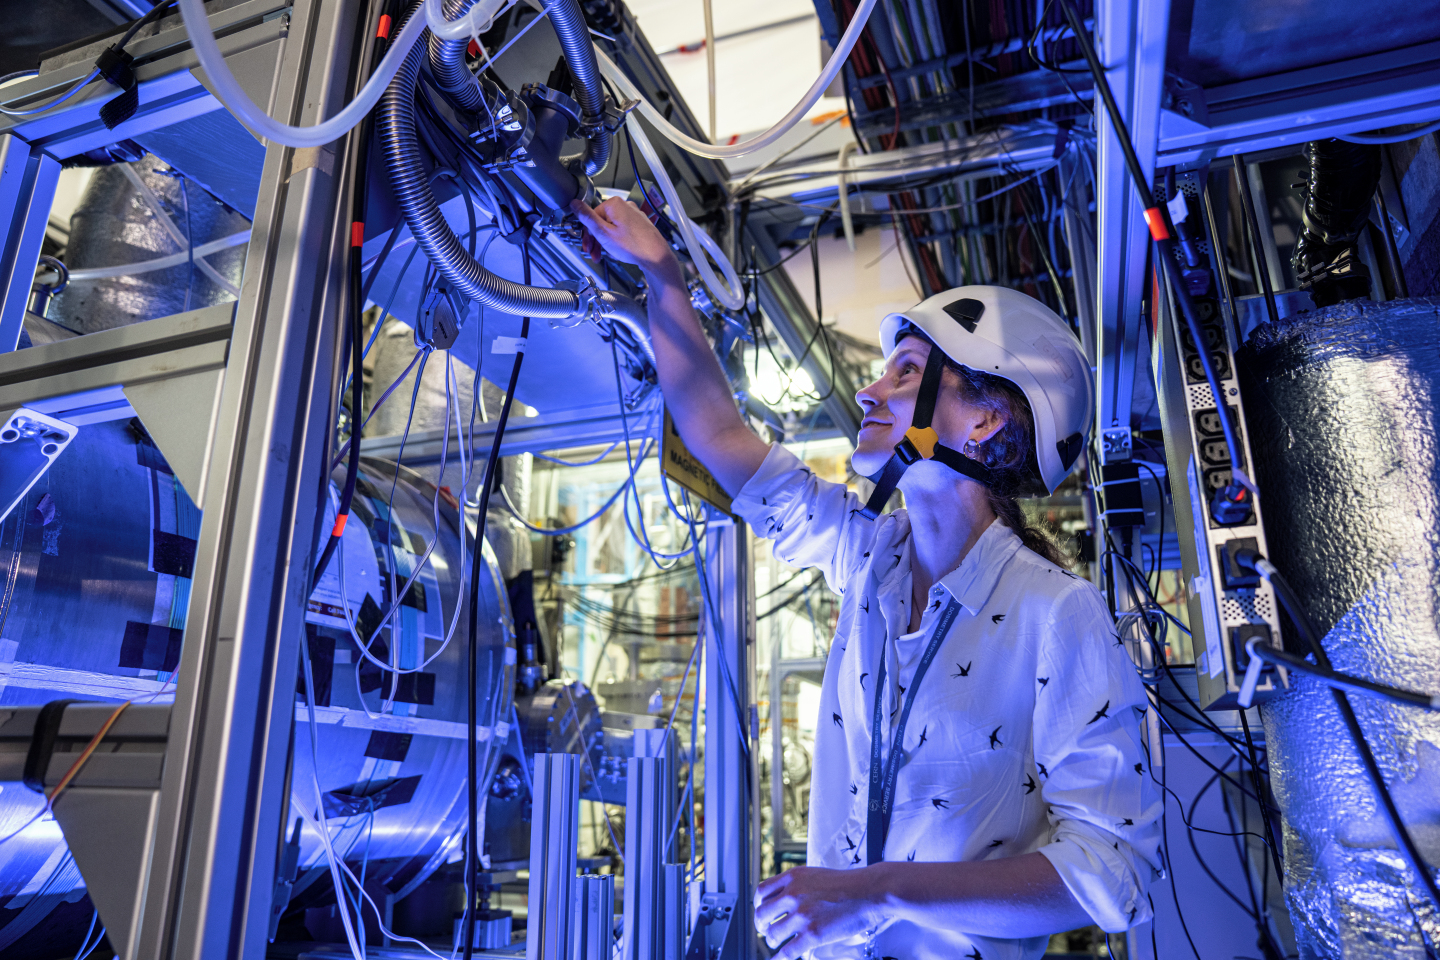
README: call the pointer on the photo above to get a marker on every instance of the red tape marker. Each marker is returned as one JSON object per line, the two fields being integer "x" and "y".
{"x": 357, "y": 234}
{"x": 1157, "y": 223}
{"x": 384, "y": 32}
{"x": 339, "y": 528}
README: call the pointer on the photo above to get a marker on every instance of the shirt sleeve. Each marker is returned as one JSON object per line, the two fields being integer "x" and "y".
{"x": 814, "y": 522}
{"x": 1095, "y": 776}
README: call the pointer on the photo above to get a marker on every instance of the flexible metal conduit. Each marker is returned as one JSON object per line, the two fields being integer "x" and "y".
{"x": 569, "y": 23}
{"x": 447, "y": 62}
{"x": 422, "y": 211}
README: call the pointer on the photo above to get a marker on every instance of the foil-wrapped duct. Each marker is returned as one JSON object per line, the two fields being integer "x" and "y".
{"x": 1342, "y": 406}
{"x": 116, "y": 223}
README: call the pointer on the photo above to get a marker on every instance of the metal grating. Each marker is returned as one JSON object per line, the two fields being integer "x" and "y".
{"x": 1201, "y": 396}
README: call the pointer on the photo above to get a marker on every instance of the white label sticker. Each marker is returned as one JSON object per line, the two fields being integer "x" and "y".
{"x": 1178, "y": 209}
{"x": 508, "y": 345}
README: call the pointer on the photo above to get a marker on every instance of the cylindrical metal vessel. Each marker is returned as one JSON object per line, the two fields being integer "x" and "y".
{"x": 1342, "y": 407}
{"x": 95, "y": 566}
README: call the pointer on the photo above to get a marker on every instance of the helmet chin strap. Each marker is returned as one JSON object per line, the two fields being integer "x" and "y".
{"x": 921, "y": 442}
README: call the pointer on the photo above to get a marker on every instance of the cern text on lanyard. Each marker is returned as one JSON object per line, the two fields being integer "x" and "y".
{"x": 884, "y": 771}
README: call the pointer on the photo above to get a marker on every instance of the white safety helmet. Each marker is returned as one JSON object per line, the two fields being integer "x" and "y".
{"x": 1009, "y": 334}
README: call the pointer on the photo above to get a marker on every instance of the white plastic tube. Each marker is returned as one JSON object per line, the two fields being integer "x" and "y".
{"x": 475, "y": 21}
{"x": 730, "y": 294}
{"x": 162, "y": 263}
{"x": 729, "y": 152}
{"x": 230, "y": 93}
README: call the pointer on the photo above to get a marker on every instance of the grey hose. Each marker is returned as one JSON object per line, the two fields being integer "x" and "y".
{"x": 447, "y": 63}
{"x": 629, "y": 314}
{"x": 569, "y": 23}
{"x": 417, "y": 201}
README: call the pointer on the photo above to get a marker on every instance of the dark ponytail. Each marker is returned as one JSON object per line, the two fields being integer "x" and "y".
{"x": 1010, "y": 454}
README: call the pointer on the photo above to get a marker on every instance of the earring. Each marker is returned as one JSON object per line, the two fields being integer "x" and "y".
{"x": 970, "y": 449}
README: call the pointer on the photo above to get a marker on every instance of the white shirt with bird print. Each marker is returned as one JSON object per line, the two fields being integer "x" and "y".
{"x": 1025, "y": 734}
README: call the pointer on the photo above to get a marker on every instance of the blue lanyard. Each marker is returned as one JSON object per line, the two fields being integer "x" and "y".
{"x": 884, "y": 771}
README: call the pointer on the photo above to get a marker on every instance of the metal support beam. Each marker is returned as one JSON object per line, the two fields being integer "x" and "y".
{"x": 648, "y": 811}
{"x": 1130, "y": 38}
{"x": 223, "y": 800}
{"x": 1287, "y": 109}
{"x": 27, "y": 189}
{"x": 554, "y": 834}
{"x": 731, "y": 861}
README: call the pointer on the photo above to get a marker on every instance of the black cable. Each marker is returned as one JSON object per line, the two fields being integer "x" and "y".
{"x": 1345, "y": 681}
{"x": 151, "y": 15}
{"x": 472, "y": 784}
{"x": 1403, "y": 839}
{"x": 354, "y": 306}
{"x": 1260, "y": 791}
{"x": 1165, "y": 830}
{"x": 1195, "y": 849}
{"x": 1162, "y": 231}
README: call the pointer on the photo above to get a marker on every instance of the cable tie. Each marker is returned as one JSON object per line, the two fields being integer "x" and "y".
{"x": 1157, "y": 224}
{"x": 383, "y": 33}
{"x": 357, "y": 234}
{"x": 339, "y": 528}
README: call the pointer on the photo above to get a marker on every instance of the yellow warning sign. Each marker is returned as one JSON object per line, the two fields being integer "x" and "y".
{"x": 680, "y": 465}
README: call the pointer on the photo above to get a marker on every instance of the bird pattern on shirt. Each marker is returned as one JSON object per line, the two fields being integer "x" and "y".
{"x": 808, "y": 534}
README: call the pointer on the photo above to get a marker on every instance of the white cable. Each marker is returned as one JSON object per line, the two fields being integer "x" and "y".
{"x": 730, "y": 151}
{"x": 1412, "y": 134}
{"x": 172, "y": 228}
{"x": 731, "y": 296}
{"x": 161, "y": 263}
{"x": 471, "y": 24}
{"x": 323, "y": 825}
{"x": 79, "y": 84}
{"x": 238, "y": 102}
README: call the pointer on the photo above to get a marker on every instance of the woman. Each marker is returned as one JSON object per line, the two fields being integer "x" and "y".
{"x": 979, "y": 779}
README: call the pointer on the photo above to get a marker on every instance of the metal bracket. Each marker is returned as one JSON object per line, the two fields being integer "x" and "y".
{"x": 712, "y": 926}
{"x": 1115, "y": 444}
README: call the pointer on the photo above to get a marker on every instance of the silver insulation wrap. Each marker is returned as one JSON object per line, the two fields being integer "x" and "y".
{"x": 1342, "y": 406}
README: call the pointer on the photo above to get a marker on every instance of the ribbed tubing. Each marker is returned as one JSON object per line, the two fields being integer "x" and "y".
{"x": 447, "y": 62}
{"x": 422, "y": 212}
{"x": 569, "y": 23}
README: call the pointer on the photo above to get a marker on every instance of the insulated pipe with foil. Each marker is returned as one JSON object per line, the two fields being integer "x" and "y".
{"x": 1342, "y": 407}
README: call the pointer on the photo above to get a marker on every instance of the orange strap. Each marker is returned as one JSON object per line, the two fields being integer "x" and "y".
{"x": 339, "y": 528}
{"x": 357, "y": 234}
{"x": 1156, "y": 220}
{"x": 384, "y": 32}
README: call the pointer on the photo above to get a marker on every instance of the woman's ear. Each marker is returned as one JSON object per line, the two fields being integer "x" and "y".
{"x": 990, "y": 423}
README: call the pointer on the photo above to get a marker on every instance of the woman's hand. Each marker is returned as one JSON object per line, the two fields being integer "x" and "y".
{"x": 817, "y": 906}
{"x": 626, "y": 233}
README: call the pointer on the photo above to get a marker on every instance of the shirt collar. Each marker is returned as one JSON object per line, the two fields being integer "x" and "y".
{"x": 974, "y": 580}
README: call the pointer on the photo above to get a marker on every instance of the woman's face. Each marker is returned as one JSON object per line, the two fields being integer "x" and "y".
{"x": 889, "y": 408}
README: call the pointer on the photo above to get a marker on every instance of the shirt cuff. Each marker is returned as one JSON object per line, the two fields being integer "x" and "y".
{"x": 1098, "y": 877}
{"x": 763, "y": 491}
